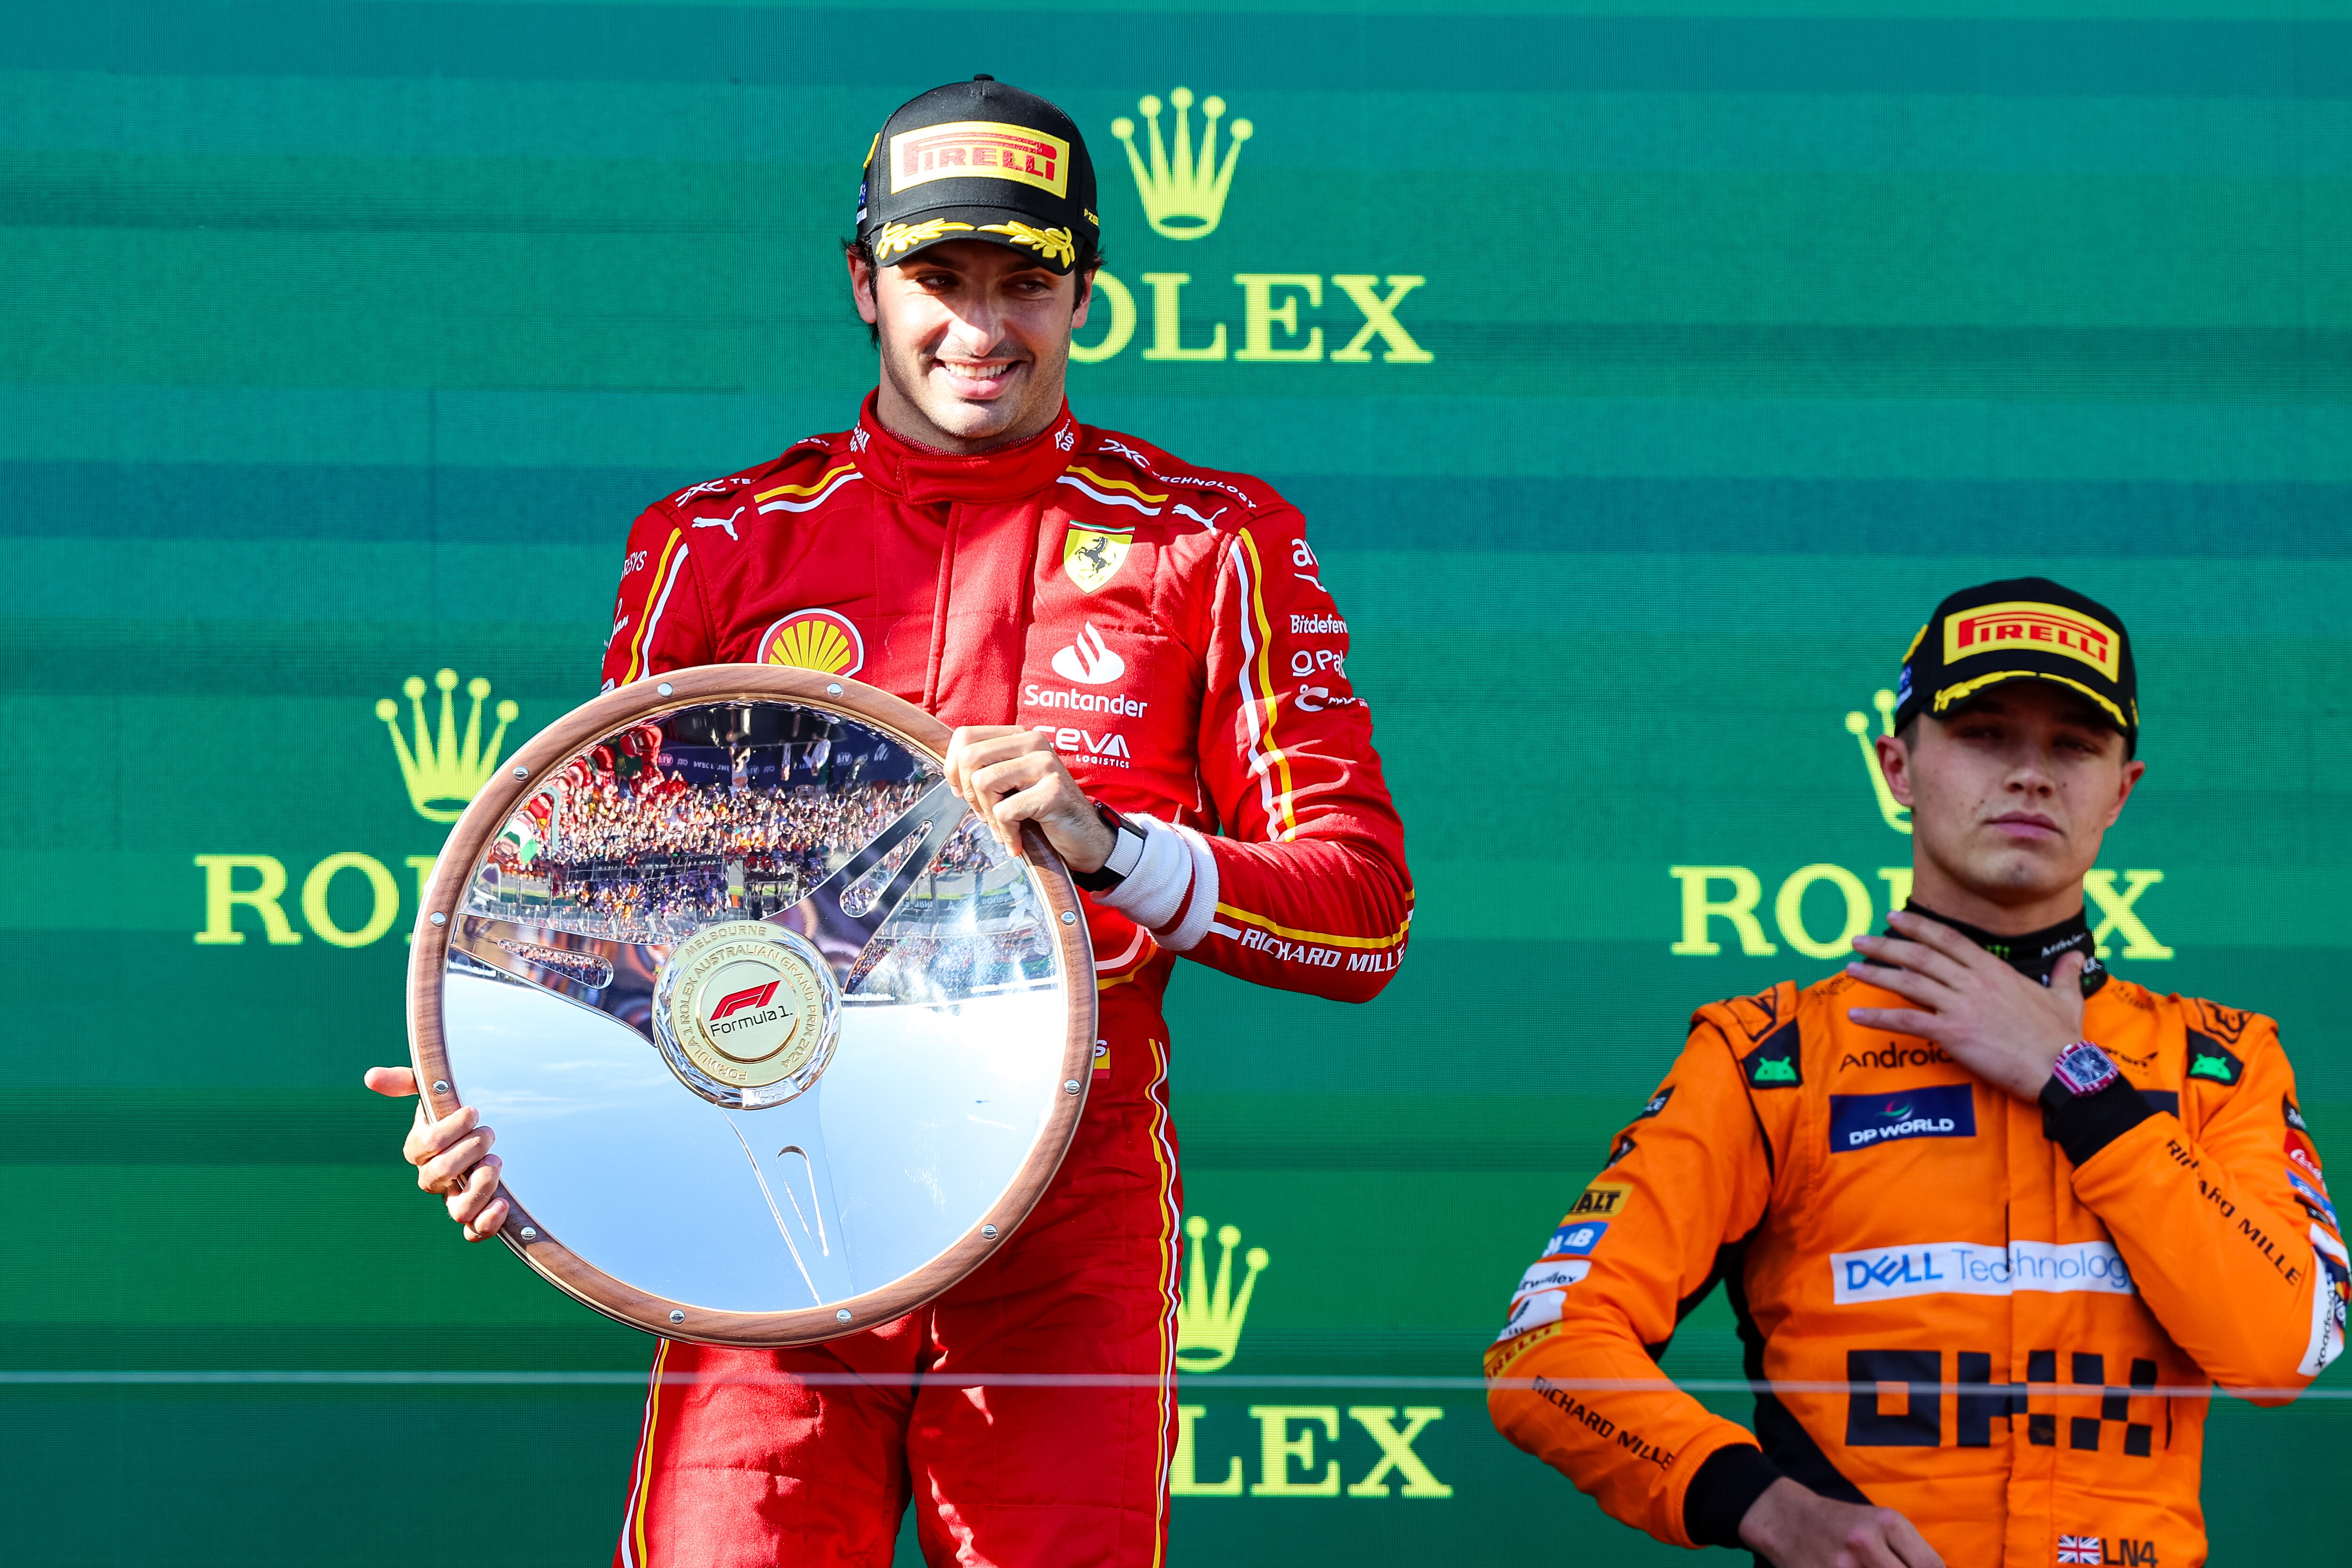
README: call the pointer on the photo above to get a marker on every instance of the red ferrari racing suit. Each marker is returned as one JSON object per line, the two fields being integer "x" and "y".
{"x": 1167, "y": 626}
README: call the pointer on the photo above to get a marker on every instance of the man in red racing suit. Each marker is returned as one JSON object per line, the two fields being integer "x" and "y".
{"x": 1167, "y": 626}
{"x": 1139, "y": 658}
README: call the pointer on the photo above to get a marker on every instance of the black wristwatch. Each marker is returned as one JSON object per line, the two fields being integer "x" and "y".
{"x": 1126, "y": 850}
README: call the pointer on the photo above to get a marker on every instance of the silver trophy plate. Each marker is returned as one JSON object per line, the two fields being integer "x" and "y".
{"x": 779, "y": 1042}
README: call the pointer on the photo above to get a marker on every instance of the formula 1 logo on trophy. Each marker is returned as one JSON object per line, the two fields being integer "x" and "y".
{"x": 736, "y": 922}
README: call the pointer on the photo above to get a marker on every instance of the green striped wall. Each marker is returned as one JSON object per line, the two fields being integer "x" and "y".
{"x": 341, "y": 341}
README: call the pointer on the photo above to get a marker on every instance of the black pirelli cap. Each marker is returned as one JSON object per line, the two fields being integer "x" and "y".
{"x": 2020, "y": 629}
{"x": 979, "y": 160}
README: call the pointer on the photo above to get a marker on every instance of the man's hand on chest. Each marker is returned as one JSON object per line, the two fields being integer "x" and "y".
{"x": 2002, "y": 1026}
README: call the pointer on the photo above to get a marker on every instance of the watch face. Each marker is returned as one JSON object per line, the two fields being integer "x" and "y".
{"x": 2084, "y": 1068}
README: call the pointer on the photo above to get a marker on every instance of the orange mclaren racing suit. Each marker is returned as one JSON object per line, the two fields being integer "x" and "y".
{"x": 1169, "y": 627}
{"x": 1969, "y": 1315}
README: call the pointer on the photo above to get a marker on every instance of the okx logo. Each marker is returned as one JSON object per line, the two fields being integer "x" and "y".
{"x": 1818, "y": 908}
{"x": 1184, "y": 187}
{"x": 352, "y": 897}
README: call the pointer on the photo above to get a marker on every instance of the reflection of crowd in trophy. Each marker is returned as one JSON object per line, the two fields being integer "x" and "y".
{"x": 676, "y": 856}
{"x": 774, "y": 833}
{"x": 642, "y": 842}
{"x": 956, "y": 966}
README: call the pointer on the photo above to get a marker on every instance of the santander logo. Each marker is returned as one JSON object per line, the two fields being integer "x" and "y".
{"x": 1088, "y": 661}
{"x": 740, "y": 1000}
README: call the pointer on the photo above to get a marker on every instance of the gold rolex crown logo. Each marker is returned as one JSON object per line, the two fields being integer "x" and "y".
{"x": 442, "y": 771}
{"x": 1209, "y": 1323}
{"x": 1857, "y": 724}
{"x": 1184, "y": 200}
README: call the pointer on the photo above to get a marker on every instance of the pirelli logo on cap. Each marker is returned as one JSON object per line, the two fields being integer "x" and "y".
{"x": 980, "y": 150}
{"x": 2008, "y": 628}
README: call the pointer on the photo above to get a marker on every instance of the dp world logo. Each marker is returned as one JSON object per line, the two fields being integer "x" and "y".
{"x": 1725, "y": 900}
{"x": 1278, "y": 318}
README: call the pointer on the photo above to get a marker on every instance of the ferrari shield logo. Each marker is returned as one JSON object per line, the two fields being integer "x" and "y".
{"x": 1091, "y": 555}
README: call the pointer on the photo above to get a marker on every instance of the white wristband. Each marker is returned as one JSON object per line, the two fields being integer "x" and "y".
{"x": 1175, "y": 861}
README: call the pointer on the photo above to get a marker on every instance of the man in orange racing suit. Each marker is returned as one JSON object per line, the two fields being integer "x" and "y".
{"x": 1139, "y": 657}
{"x": 1992, "y": 1219}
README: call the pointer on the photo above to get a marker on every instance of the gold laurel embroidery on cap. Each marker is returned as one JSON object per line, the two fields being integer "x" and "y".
{"x": 1916, "y": 639}
{"x": 870, "y": 148}
{"x": 1966, "y": 688}
{"x": 898, "y": 237}
{"x": 1051, "y": 243}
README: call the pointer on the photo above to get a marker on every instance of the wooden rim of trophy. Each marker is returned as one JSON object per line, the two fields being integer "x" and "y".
{"x": 526, "y": 771}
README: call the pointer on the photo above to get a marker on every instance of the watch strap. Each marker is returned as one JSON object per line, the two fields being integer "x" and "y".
{"x": 1127, "y": 843}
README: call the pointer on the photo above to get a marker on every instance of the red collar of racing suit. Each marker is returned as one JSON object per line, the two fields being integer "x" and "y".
{"x": 922, "y": 477}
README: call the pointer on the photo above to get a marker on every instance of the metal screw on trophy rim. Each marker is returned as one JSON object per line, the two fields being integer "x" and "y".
{"x": 1069, "y": 917}
{"x": 529, "y": 1233}
{"x": 833, "y": 690}
{"x": 675, "y": 1316}
{"x": 665, "y": 689}
{"x": 437, "y": 917}
{"x": 988, "y": 1231}
{"x": 842, "y": 1316}
{"x": 1069, "y": 1086}
{"x": 440, "y": 1086}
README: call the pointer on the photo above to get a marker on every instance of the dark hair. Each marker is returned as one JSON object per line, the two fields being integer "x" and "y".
{"x": 1090, "y": 261}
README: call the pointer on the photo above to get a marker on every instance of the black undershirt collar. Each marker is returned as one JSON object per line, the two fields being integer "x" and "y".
{"x": 2036, "y": 954}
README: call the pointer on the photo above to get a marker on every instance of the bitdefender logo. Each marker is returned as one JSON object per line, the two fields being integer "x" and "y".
{"x": 1090, "y": 660}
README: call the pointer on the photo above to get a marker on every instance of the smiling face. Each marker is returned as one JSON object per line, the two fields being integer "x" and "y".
{"x": 2011, "y": 797}
{"x": 975, "y": 342}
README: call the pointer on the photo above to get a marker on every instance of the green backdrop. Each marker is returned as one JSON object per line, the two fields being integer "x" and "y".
{"x": 340, "y": 342}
